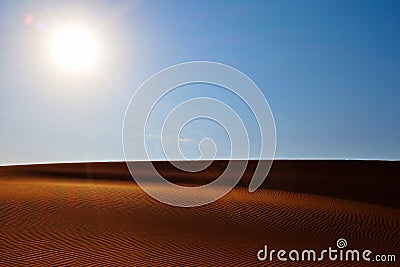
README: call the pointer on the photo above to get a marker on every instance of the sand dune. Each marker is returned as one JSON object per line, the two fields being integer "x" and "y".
{"x": 374, "y": 182}
{"x": 52, "y": 220}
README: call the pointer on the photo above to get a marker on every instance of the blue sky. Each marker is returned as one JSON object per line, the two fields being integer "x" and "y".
{"x": 329, "y": 70}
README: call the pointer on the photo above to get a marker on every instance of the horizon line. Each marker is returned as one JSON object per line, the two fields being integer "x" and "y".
{"x": 222, "y": 159}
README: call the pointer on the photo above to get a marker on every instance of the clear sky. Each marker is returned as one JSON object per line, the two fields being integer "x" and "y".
{"x": 329, "y": 70}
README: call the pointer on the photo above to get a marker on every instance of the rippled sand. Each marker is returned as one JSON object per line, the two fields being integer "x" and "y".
{"x": 61, "y": 222}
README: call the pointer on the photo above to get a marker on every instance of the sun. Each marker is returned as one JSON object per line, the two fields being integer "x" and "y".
{"x": 74, "y": 48}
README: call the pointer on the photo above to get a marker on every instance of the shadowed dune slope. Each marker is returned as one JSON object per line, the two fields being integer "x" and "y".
{"x": 374, "y": 182}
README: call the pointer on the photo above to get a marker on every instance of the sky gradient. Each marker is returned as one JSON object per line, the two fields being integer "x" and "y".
{"x": 329, "y": 70}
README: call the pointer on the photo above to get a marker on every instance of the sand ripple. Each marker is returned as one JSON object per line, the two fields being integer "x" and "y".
{"x": 59, "y": 223}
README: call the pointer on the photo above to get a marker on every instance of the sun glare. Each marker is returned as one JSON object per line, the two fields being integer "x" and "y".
{"x": 74, "y": 48}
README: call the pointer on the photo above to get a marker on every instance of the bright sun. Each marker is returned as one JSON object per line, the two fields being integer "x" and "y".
{"x": 74, "y": 48}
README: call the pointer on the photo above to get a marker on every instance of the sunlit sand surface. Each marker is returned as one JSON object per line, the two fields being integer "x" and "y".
{"x": 61, "y": 222}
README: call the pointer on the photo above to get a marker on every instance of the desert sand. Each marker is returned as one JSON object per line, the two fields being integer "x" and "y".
{"x": 93, "y": 214}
